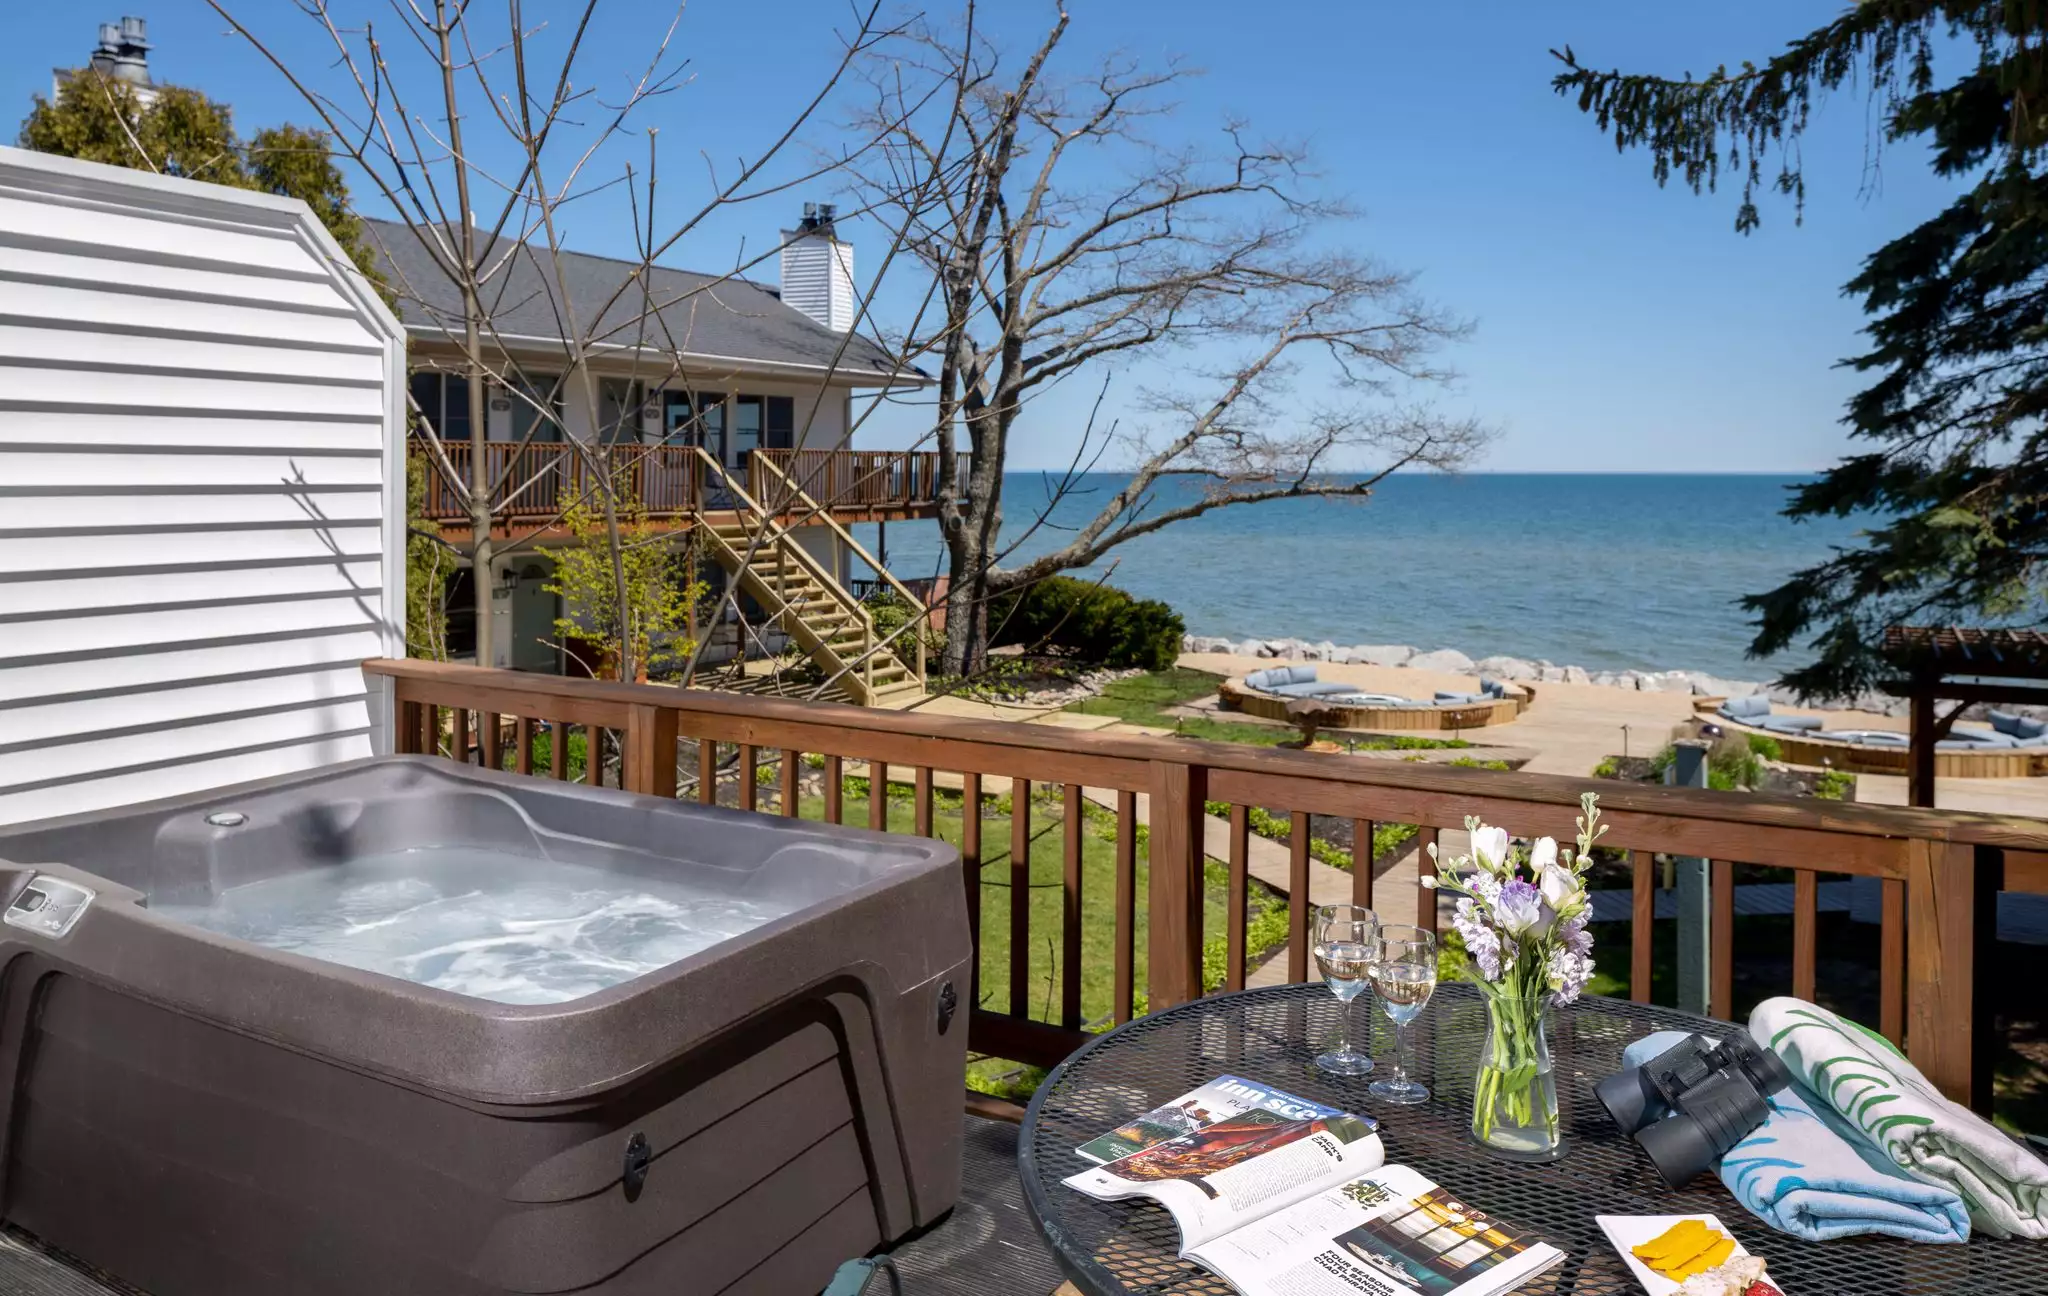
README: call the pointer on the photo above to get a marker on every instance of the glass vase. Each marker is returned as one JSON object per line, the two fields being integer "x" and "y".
{"x": 1514, "y": 1097}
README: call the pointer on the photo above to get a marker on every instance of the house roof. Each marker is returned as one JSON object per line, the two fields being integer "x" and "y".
{"x": 715, "y": 319}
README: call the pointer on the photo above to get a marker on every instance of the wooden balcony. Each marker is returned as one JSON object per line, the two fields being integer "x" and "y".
{"x": 535, "y": 483}
{"x": 1154, "y": 804}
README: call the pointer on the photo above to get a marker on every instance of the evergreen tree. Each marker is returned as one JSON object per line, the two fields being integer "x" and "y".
{"x": 1950, "y": 439}
{"x": 181, "y": 132}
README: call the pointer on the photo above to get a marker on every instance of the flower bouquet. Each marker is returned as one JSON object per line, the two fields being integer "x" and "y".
{"x": 1522, "y": 917}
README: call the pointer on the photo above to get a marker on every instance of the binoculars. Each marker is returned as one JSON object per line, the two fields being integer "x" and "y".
{"x": 1691, "y": 1103}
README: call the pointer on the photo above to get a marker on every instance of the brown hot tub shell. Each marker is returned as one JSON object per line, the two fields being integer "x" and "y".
{"x": 196, "y": 1114}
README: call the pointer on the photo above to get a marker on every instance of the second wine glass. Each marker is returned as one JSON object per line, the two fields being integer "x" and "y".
{"x": 1404, "y": 973}
{"x": 1344, "y": 951}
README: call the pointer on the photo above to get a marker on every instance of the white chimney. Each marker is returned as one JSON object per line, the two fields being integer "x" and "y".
{"x": 817, "y": 269}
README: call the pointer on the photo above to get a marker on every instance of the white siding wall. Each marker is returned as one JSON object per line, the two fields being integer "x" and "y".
{"x": 817, "y": 278}
{"x": 200, "y": 506}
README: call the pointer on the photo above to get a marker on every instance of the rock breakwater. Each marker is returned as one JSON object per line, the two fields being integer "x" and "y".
{"x": 1522, "y": 670}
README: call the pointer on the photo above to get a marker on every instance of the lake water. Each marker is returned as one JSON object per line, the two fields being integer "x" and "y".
{"x": 1604, "y": 571}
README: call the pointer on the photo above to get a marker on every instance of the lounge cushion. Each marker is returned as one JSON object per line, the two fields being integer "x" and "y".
{"x": 1744, "y": 708}
{"x": 1786, "y": 724}
{"x": 1979, "y": 738}
{"x": 2029, "y": 727}
{"x": 1311, "y": 688}
{"x": 1792, "y": 723}
{"x": 1460, "y": 697}
{"x": 2006, "y": 722}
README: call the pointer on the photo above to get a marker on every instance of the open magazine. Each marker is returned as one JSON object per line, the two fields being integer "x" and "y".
{"x": 1280, "y": 1196}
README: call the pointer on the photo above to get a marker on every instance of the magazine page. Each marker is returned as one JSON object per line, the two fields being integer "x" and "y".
{"x": 1220, "y": 1099}
{"x": 1391, "y": 1233}
{"x": 1234, "y": 1170}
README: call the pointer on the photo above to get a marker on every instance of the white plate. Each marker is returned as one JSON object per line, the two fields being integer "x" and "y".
{"x": 1627, "y": 1232}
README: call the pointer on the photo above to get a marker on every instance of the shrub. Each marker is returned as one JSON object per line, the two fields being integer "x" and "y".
{"x": 1098, "y": 624}
{"x": 889, "y": 611}
{"x": 1766, "y": 746}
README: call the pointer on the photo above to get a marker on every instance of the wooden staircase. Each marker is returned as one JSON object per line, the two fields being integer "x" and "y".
{"x": 808, "y": 604}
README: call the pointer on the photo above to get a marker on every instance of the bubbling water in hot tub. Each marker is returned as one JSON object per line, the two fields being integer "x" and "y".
{"x": 484, "y": 923}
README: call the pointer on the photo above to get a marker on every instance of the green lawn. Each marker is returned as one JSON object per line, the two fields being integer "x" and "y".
{"x": 1043, "y": 980}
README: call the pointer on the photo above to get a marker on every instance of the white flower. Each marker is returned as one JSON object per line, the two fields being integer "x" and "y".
{"x": 1561, "y": 887}
{"x": 1428, "y": 882}
{"x": 1490, "y": 848}
{"x": 1542, "y": 855}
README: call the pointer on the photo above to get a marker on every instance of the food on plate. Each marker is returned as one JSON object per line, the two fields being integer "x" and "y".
{"x": 1686, "y": 1248}
{"x": 1687, "y": 1235}
{"x": 1741, "y": 1276}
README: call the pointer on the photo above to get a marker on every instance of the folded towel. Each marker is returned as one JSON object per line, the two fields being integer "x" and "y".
{"x": 1805, "y": 1174}
{"x": 1884, "y": 1097}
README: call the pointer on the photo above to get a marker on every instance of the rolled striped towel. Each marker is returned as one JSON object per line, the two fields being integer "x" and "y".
{"x": 1883, "y": 1097}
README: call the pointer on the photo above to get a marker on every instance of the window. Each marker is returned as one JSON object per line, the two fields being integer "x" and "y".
{"x": 544, "y": 391}
{"x": 746, "y": 428}
{"x": 694, "y": 419}
{"x": 618, "y": 410}
{"x": 781, "y": 422}
{"x": 444, "y": 399}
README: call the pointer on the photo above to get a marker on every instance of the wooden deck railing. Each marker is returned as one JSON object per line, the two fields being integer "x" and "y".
{"x": 856, "y": 477}
{"x": 542, "y": 478}
{"x": 1939, "y": 872}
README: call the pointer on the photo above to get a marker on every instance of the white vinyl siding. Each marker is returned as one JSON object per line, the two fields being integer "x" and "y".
{"x": 201, "y": 492}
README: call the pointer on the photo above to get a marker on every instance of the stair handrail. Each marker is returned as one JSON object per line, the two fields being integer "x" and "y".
{"x": 920, "y": 613}
{"x": 799, "y": 627}
{"x": 826, "y": 580}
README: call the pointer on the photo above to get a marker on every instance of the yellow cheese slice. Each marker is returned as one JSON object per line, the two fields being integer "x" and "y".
{"x": 1675, "y": 1236}
{"x": 1677, "y": 1257}
{"x": 1708, "y": 1259}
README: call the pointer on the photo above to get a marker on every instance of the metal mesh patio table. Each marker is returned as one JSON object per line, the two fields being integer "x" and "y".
{"x": 1272, "y": 1036}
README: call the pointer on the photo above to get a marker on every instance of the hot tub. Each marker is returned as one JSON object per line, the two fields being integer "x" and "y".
{"x": 405, "y": 1026}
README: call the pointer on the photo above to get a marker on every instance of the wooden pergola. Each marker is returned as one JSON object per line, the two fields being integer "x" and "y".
{"x": 1964, "y": 665}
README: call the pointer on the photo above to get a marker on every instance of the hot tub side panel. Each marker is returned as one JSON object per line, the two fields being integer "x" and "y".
{"x": 186, "y": 1157}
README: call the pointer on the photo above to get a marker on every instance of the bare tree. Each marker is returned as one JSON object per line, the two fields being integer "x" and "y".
{"x": 1043, "y": 270}
{"x": 479, "y": 128}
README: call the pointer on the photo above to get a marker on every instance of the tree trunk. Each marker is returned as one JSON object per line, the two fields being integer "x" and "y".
{"x": 966, "y": 607}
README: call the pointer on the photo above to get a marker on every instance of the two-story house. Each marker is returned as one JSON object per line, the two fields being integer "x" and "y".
{"x": 727, "y": 405}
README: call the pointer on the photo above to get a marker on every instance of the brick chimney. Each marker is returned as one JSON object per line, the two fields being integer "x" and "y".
{"x": 817, "y": 269}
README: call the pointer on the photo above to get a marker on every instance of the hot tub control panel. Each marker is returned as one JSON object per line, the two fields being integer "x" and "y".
{"x": 48, "y": 906}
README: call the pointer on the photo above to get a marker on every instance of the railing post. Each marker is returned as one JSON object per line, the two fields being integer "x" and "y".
{"x": 867, "y": 655}
{"x": 649, "y": 763}
{"x": 1951, "y": 920}
{"x": 1695, "y": 956}
{"x": 1179, "y": 794}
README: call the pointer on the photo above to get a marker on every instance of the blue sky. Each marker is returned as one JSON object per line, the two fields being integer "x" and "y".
{"x": 1620, "y": 327}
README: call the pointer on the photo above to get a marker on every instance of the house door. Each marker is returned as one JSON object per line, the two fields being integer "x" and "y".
{"x": 534, "y": 611}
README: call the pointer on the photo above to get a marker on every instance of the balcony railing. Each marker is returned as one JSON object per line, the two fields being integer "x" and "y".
{"x": 1938, "y": 872}
{"x": 538, "y": 481}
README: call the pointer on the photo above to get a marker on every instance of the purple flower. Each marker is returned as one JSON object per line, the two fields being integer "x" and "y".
{"x": 1574, "y": 936}
{"x": 1481, "y": 941}
{"x": 1567, "y": 973}
{"x": 1519, "y": 908}
{"x": 1486, "y": 887}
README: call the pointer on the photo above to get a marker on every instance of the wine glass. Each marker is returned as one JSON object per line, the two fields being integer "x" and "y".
{"x": 1404, "y": 972}
{"x": 1344, "y": 949}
